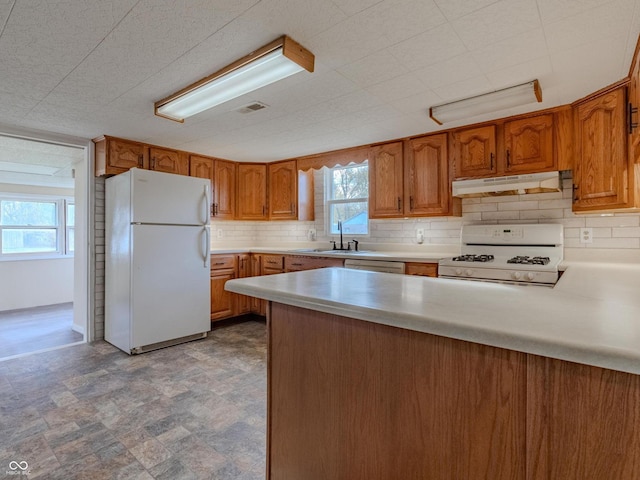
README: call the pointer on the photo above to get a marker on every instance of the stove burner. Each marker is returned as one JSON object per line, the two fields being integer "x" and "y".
{"x": 473, "y": 258}
{"x": 525, "y": 260}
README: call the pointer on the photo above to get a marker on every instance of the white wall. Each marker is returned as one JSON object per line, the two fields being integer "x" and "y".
{"x": 32, "y": 283}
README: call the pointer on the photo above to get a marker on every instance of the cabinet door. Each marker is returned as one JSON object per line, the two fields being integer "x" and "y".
{"x": 475, "y": 151}
{"x": 633, "y": 111}
{"x": 385, "y": 181}
{"x": 601, "y": 175}
{"x": 169, "y": 161}
{"x": 258, "y": 305}
{"x": 427, "y": 176}
{"x": 252, "y": 192}
{"x": 243, "y": 302}
{"x": 283, "y": 191}
{"x": 529, "y": 145}
{"x": 222, "y": 302}
{"x": 115, "y": 156}
{"x": 202, "y": 167}
{"x": 224, "y": 190}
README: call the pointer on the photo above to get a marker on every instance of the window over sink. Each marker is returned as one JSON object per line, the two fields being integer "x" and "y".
{"x": 347, "y": 199}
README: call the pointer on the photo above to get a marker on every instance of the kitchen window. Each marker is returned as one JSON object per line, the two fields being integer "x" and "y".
{"x": 347, "y": 199}
{"x": 36, "y": 227}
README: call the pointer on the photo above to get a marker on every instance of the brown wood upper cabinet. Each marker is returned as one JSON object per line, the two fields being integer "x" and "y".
{"x": 426, "y": 182}
{"x": 411, "y": 179}
{"x": 223, "y": 180}
{"x": 475, "y": 151}
{"x": 114, "y": 155}
{"x": 252, "y": 191}
{"x": 604, "y": 174}
{"x": 283, "y": 190}
{"x": 168, "y": 161}
{"x": 523, "y": 145}
{"x": 385, "y": 181}
{"x": 528, "y": 145}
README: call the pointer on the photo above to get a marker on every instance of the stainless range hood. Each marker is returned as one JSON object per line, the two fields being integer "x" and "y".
{"x": 511, "y": 185}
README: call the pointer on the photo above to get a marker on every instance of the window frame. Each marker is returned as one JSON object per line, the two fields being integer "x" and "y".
{"x": 329, "y": 201}
{"x": 61, "y": 227}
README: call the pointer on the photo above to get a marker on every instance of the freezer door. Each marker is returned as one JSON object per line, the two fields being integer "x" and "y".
{"x": 170, "y": 291}
{"x": 165, "y": 198}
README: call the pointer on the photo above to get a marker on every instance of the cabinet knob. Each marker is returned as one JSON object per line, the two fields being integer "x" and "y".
{"x": 399, "y": 204}
{"x": 508, "y": 159}
{"x": 491, "y": 157}
{"x": 575, "y": 193}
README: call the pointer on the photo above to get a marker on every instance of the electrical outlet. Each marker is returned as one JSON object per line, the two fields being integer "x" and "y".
{"x": 311, "y": 234}
{"x": 586, "y": 235}
{"x": 420, "y": 235}
{"x": 219, "y": 233}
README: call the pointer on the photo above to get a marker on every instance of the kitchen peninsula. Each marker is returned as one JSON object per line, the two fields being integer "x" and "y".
{"x": 379, "y": 376}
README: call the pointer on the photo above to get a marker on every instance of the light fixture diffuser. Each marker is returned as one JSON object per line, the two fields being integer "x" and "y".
{"x": 502, "y": 99}
{"x": 275, "y": 61}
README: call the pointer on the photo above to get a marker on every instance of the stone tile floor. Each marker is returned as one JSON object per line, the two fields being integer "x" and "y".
{"x": 192, "y": 411}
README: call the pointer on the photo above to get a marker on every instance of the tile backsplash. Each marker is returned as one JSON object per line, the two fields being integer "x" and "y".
{"x": 611, "y": 231}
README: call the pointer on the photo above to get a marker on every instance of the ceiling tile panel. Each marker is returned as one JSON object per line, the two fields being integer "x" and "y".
{"x": 496, "y": 22}
{"x": 398, "y": 87}
{"x": 398, "y": 20}
{"x": 449, "y": 71}
{"x": 351, "y": 7}
{"x": 539, "y": 68}
{"x": 594, "y": 24}
{"x": 433, "y": 46}
{"x": 468, "y": 87}
{"x": 554, "y": 10}
{"x": 453, "y": 9}
{"x": 512, "y": 51}
{"x": 376, "y": 68}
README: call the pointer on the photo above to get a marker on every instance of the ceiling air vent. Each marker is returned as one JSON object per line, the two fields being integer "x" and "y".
{"x": 252, "y": 107}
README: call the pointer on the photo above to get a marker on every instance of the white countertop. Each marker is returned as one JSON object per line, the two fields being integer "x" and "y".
{"x": 592, "y": 316}
{"x": 400, "y": 256}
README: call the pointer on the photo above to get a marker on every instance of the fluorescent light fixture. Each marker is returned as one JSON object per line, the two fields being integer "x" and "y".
{"x": 509, "y": 97}
{"x": 275, "y": 61}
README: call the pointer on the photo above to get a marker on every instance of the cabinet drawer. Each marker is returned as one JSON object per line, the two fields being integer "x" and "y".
{"x": 273, "y": 262}
{"x": 219, "y": 262}
{"x": 421, "y": 269}
{"x": 296, "y": 263}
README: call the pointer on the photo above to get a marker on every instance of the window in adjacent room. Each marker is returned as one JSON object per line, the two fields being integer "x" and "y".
{"x": 347, "y": 199}
{"x": 35, "y": 227}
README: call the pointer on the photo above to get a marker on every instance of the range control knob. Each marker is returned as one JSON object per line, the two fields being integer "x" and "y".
{"x": 458, "y": 271}
{"x": 468, "y": 272}
{"x": 516, "y": 275}
{"x": 530, "y": 276}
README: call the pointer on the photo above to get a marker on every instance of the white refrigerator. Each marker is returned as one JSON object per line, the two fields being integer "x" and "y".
{"x": 157, "y": 274}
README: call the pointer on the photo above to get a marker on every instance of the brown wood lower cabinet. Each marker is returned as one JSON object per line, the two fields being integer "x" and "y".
{"x": 223, "y": 268}
{"x": 350, "y": 399}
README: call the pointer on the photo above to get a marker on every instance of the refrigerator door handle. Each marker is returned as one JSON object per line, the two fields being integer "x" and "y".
{"x": 205, "y": 218}
{"x": 205, "y": 251}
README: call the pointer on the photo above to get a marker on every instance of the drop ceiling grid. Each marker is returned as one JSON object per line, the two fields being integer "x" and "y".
{"x": 380, "y": 65}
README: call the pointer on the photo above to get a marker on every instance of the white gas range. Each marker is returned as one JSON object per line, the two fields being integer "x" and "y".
{"x": 522, "y": 254}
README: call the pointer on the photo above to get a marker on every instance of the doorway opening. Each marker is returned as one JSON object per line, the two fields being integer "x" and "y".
{"x": 43, "y": 244}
